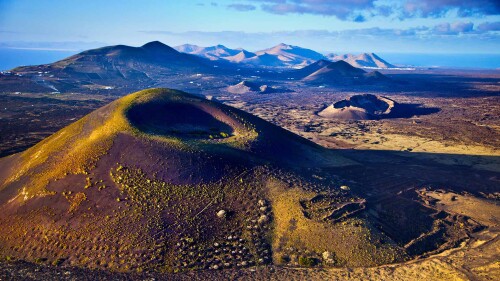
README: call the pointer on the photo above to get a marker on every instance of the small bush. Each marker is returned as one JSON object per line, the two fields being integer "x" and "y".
{"x": 40, "y": 260}
{"x": 284, "y": 259}
{"x": 307, "y": 261}
{"x": 58, "y": 262}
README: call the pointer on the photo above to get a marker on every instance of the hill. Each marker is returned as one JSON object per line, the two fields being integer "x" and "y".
{"x": 245, "y": 87}
{"x": 292, "y": 56}
{"x": 281, "y": 55}
{"x": 121, "y": 67}
{"x": 212, "y": 53}
{"x": 366, "y": 60}
{"x": 188, "y": 48}
{"x": 360, "y": 107}
{"x": 264, "y": 60}
{"x": 164, "y": 181}
{"x": 126, "y": 60}
{"x": 241, "y": 57}
{"x": 341, "y": 72}
{"x": 161, "y": 180}
{"x": 310, "y": 69}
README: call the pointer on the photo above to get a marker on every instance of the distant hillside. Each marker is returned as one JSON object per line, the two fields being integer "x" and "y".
{"x": 309, "y": 69}
{"x": 241, "y": 57}
{"x": 341, "y": 72}
{"x": 211, "y": 53}
{"x": 292, "y": 56}
{"x": 369, "y": 60}
{"x": 117, "y": 66}
{"x": 281, "y": 55}
{"x": 113, "y": 57}
{"x": 264, "y": 60}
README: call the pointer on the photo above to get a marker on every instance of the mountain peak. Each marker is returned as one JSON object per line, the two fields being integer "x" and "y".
{"x": 158, "y": 47}
{"x": 154, "y": 44}
{"x": 284, "y": 46}
{"x": 362, "y": 60}
{"x": 340, "y": 63}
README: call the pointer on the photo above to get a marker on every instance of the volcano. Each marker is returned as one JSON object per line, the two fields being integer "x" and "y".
{"x": 165, "y": 181}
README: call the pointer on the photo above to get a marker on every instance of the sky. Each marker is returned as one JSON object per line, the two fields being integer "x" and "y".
{"x": 386, "y": 26}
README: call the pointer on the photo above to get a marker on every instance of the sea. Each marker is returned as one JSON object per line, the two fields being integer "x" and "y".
{"x": 10, "y": 58}
{"x": 458, "y": 61}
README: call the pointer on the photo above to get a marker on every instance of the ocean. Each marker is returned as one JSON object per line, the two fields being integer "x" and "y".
{"x": 476, "y": 61}
{"x": 10, "y": 58}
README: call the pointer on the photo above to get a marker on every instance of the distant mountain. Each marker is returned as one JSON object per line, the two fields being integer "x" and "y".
{"x": 292, "y": 56}
{"x": 242, "y": 56}
{"x": 281, "y": 55}
{"x": 309, "y": 69}
{"x": 334, "y": 71}
{"x": 212, "y": 53}
{"x": 369, "y": 60}
{"x": 341, "y": 72}
{"x": 264, "y": 60}
{"x": 116, "y": 66}
{"x": 120, "y": 60}
{"x": 188, "y": 48}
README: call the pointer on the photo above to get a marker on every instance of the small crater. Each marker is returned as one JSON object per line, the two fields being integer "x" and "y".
{"x": 177, "y": 119}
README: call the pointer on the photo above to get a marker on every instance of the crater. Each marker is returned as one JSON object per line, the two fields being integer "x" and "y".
{"x": 183, "y": 120}
{"x": 371, "y": 107}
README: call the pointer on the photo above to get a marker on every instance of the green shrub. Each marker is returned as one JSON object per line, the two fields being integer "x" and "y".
{"x": 40, "y": 260}
{"x": 307, "y": 261}
{"x": 284, "y": 259}
{"x": 58, "y": 262}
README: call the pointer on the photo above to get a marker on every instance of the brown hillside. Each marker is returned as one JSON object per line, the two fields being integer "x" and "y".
{"x": 161, "y": 180}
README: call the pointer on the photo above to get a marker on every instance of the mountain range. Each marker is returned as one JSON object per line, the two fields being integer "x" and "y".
{"x": 120, "y": 68}
{"x": 281, "y": 55}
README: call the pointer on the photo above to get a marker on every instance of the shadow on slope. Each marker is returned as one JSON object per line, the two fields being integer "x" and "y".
{"x": 408, "y": 110}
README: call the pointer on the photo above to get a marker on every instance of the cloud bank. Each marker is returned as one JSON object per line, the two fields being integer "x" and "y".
{"x": 361, "y": 10}
{"x": 460, "y": 36}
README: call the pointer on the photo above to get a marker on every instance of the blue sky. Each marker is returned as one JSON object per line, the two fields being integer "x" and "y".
{"x": 406, "y": 26}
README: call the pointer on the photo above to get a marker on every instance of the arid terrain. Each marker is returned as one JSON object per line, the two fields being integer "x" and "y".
{"x": 245, "y": 184}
